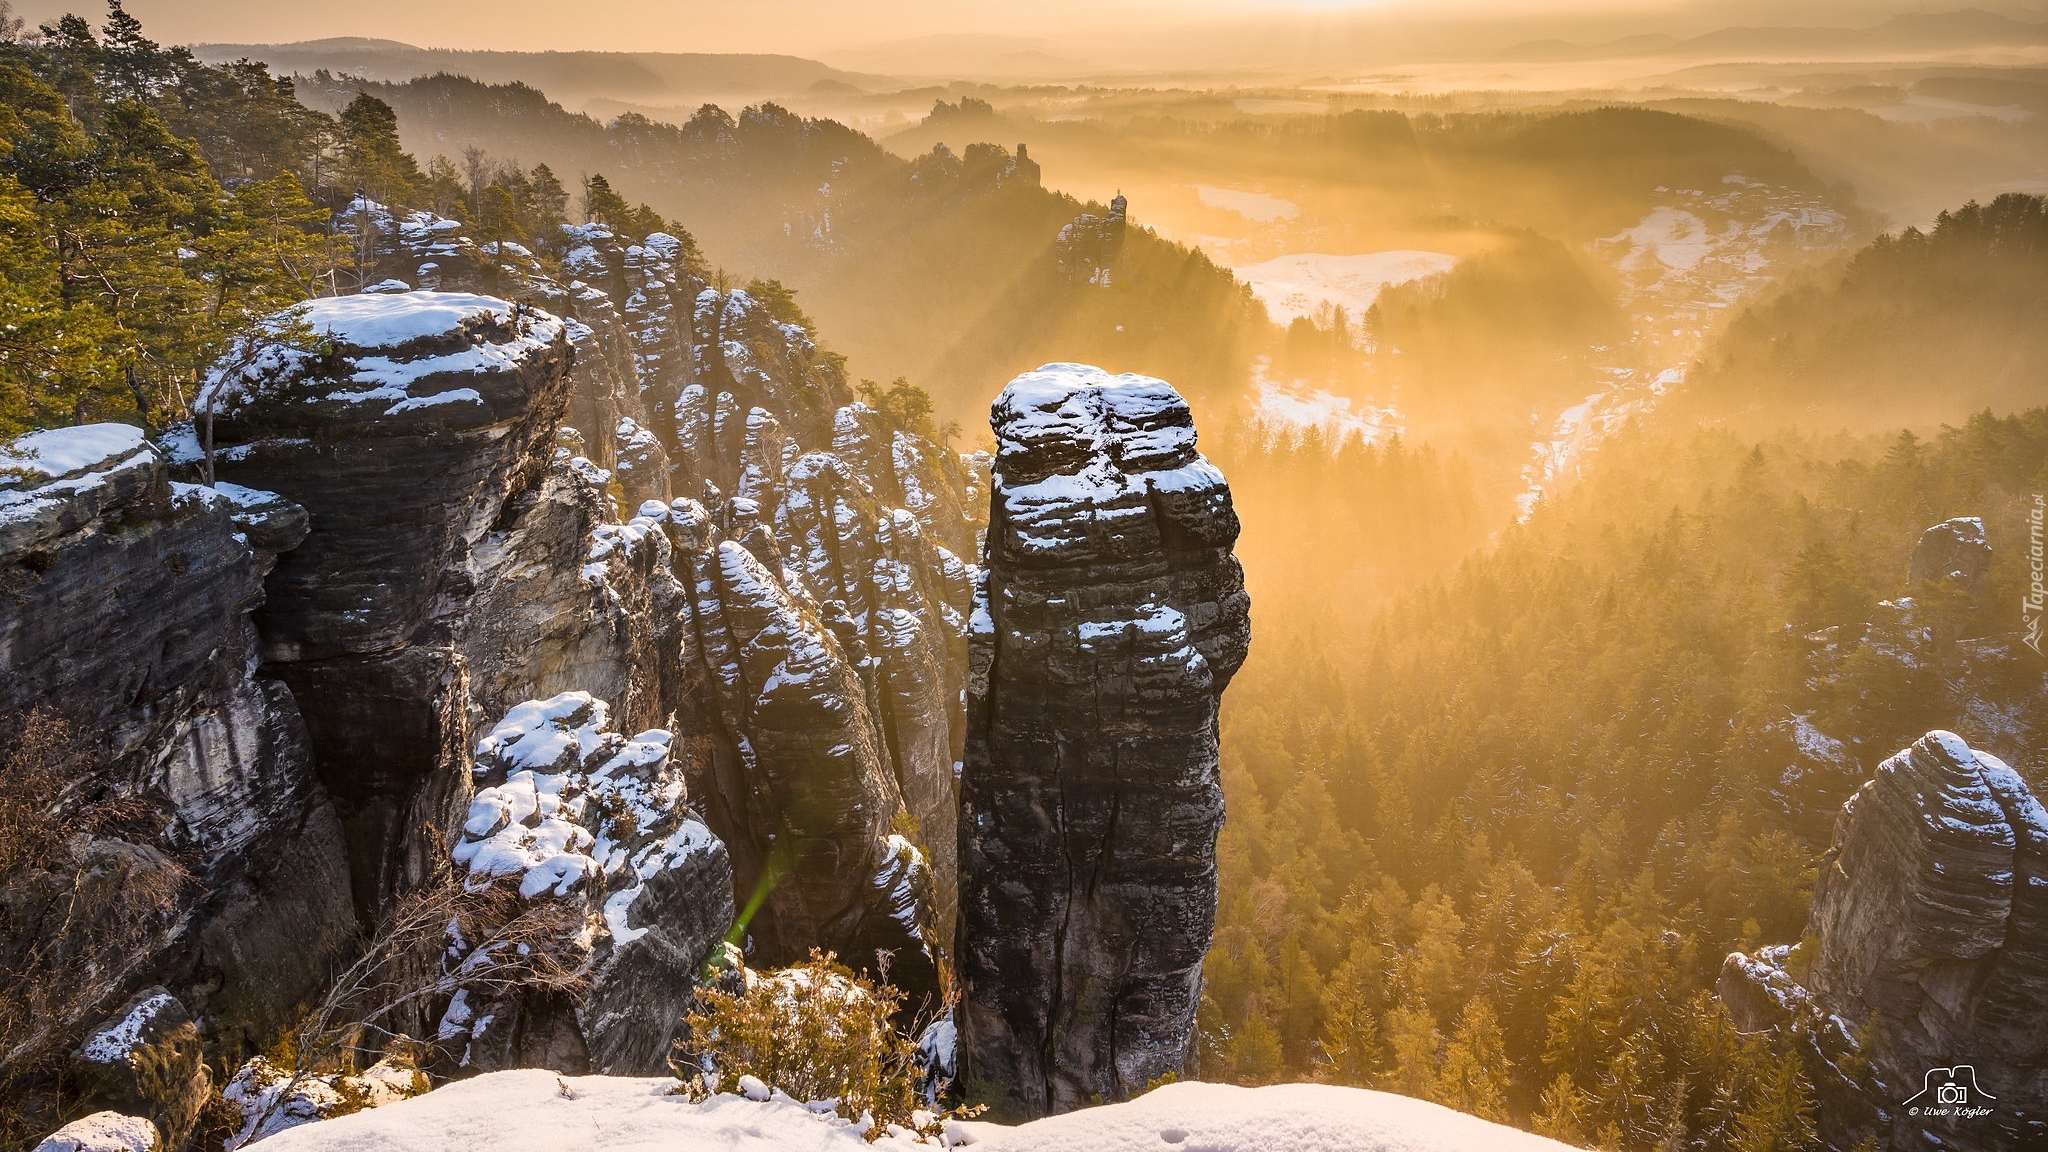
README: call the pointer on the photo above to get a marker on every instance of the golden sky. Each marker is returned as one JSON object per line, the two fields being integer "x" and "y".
{"x": 821, "y": 26}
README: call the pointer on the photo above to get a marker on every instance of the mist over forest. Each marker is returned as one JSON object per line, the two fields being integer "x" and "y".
{"x": 1636, "y": 435}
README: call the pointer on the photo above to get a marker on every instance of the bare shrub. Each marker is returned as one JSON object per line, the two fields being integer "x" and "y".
{"x": 818, "y": 1031}
{"x": 514, "y": 945}
{"x": 86, "y": 887}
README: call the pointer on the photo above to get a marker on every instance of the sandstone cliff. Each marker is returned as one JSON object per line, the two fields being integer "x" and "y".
{"x": 715, "y": 416}
{"x": 603, "y": 478}
{"x": 403, "y": 424}
{"x": 226, "y": 881}
{"x": 1927, "y": 948}
{"x": 1112, "y": 617}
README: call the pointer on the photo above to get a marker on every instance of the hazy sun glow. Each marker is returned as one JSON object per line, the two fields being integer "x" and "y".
{"x": 824, "y": 26}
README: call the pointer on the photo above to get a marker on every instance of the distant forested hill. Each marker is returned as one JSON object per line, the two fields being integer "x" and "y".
{"x": 943, "y": 267}
{"x": 575, "y": 76}
{"x": 943, "y": 270}
{"x": 1917, "y": 328}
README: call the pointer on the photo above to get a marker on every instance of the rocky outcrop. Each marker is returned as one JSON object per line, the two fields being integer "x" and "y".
{"x": 723, "y": 545}
{"x": 720, "y": 408}
{"x": 1952, "y": 550}
{"x": 1927, "y": 949}
{"x": 578, "y": 816}
{"x": 128, "y": 599}
{"x": 794, "y": 761}
{"x": 404, "y": 423}
{"x": 569, "y": 599}
{"x": 1086, "y": 248}
{"x": 1112, "y": 618}
{"x": 146, "y": 1061}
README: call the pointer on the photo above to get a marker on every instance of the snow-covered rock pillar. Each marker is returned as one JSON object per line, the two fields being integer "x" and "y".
{"x": 1111, "y": 618}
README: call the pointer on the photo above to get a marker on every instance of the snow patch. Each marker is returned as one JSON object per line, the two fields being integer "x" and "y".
{"x": 538, "y": 1111}
{"x": 1293, "y": 286}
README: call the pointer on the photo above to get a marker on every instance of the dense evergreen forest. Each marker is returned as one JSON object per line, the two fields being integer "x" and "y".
{"x": 1961, "y": 302}
{"x": 152, "y": 206}
{"x": 1497, "y": 811}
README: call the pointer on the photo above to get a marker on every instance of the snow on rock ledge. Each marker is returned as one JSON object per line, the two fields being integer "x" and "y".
{"x": 1080, "y": 456}
{"x": 104, "y": 1132}
{"x": 56, "y": 480}
{"x": 536, "y": 1111}
{"x": 567, "y": 810}
{"x": 418, "y": 358}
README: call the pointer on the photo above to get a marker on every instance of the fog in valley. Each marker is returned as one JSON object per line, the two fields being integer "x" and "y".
{"x": 1584, "y": 382}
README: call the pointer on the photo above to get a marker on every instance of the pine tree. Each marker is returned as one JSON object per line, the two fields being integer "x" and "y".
{"x": 1414, "y": 1045}
{"x": 550, "y": 200}
{"x": 1779, "y": 1116}
{"x": 603, "y": 206}
{"x": 372, "y": 159}
{"x": 1563, "y": 1113}
{"x": 133, "y": 67}
{"x": 1473, "y": 1076}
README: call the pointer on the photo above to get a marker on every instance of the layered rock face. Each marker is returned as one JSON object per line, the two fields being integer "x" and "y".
{"x": 128, "y": 616}
{"x": 403, "y": 424}
{"x": 1112, "y": 617}
{"x": 1928, "y": 949}
{"x": 707, "y": 419}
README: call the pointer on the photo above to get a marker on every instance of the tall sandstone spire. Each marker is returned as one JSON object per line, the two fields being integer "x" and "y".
{"x": 1111, "y": 618}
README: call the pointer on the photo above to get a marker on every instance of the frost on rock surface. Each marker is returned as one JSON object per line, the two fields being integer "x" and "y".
{"x": 269, "y": 1101}
{"x": 536, "y": 1111}
{"x": 1111, "y": 618}
{"x": 569, "y": 811}
{"x": 1928, "y": 937}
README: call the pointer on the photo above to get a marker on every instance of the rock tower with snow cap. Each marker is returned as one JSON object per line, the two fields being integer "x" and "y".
{"x": 1111, "y": 617}
{"x": 404, "y": 423}
{"x": 1926, "y": 948}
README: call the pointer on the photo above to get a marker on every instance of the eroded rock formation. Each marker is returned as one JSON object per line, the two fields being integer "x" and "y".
{"x": 1927, "y": 948}
{"x": 127, "y": 616}
{"x": 1112, "y": 618}
{"x": 572, "y": 813}
{"x": 720, "y": 542}
{"x": 404, "y": 424}
{"x": 1952, "y": 550}
{"x": 715, "y": 418}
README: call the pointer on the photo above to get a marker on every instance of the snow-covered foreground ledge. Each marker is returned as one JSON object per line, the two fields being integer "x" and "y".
{"x": 533, "y": 1111}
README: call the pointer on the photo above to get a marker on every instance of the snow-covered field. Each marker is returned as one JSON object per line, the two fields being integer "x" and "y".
{"x": 1291, "y": 286}
{"x": 535, "y": 1111}
{"x": 1295, "y": 404}
{"x": 1257, "y": 206}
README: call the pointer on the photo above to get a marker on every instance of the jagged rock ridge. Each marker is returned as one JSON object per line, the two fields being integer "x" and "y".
{"x": 1112, "y": 617}
{"x": 728, "y": 547}
{"x": 722, "y": 421}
